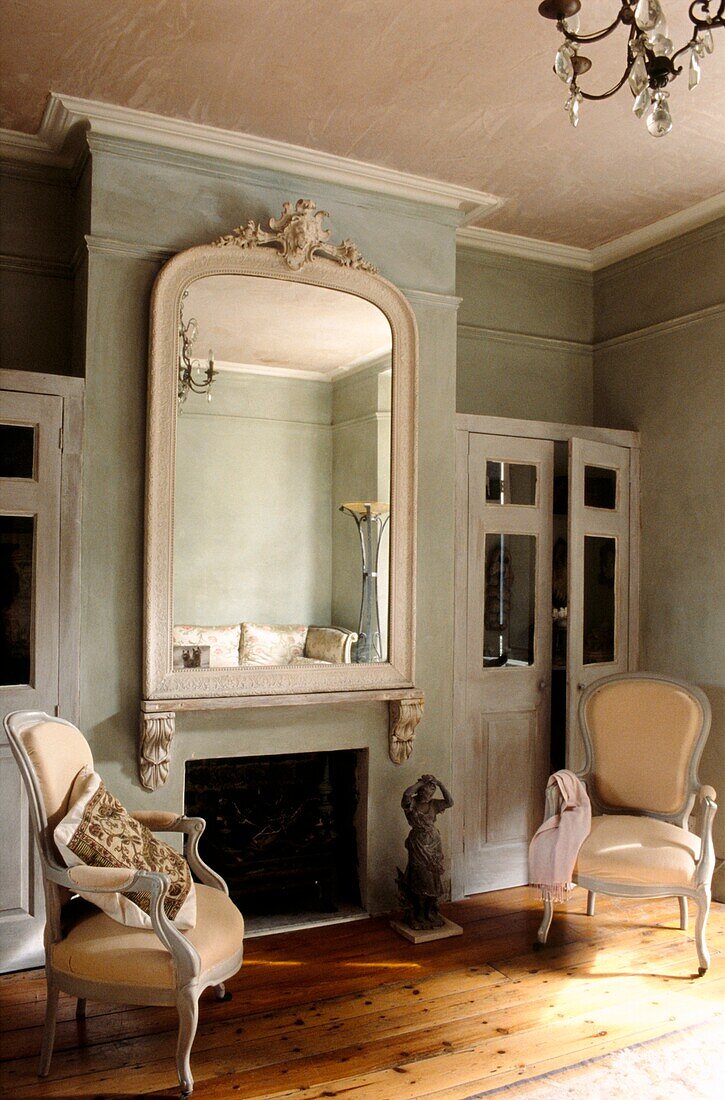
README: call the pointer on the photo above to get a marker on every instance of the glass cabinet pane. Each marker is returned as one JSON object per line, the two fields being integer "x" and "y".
{"x": 600, "y": 570}
{"x": 600, "y": 487}
{"x": 510, "y": 483}
{"x": 16, "y": 598}
{"x": 509, "y": 600}
{"x": 17, "y": 450}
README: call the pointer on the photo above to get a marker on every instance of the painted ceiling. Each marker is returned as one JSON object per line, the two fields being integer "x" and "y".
{"x": 455, "y": 90}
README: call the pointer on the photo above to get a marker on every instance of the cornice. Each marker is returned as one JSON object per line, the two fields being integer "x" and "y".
{"x": 36, "y": 265}
{"x": 662, "y": 328}
{"x": 662, "y": 232}
{"x": 525, "y": 339}
{"x": 58, "y": 143}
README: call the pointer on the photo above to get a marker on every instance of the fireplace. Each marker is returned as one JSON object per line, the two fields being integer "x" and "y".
{"x": 282, "y": 831}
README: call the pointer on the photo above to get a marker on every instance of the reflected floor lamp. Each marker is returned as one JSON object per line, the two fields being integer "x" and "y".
{"x": 371, "y": 518}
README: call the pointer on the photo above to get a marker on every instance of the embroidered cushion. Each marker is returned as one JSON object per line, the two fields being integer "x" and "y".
{"x": 223, "y": 642}
{"x": 263, "y": 644}
{"x": 98, "y": 832}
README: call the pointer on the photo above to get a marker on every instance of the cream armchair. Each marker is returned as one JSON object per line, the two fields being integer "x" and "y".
{"x": 89, "y": 955}
{"x": 643, "y": 737}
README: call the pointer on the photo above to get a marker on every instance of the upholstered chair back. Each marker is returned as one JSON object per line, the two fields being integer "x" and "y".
{"x": 645, "y": 736}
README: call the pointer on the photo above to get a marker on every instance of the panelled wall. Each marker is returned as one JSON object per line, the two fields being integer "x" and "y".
{"x": 659, "y": 366}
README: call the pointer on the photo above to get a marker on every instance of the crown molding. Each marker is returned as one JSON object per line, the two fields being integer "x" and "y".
{"x": 604, "y": 255}
{"x": 525, "y": 339}
{"x": 57, "y": 145}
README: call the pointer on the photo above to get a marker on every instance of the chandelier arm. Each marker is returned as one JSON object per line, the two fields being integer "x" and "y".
{"x": 687, "y": 46}
{"x": 709, "y": 20}
{"x": 598, "y": 35}
{"x": 612, "y": 91}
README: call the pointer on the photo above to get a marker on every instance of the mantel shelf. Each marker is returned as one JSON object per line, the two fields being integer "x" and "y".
{"x": 158, "y": 721}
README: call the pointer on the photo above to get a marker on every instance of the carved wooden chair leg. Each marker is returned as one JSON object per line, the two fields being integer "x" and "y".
{"x": 545, "y": 924}
{"x": 81, "y": 1008}
{"x": 591, "y": 902}
{"x": 703, "y": 908}
{"x": 51, "y": 1012}
{"x": 683, "y": 912}
{"x": 187, "y": 1004}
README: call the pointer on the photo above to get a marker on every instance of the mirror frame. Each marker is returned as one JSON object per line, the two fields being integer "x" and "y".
{"x": 300, "y": 251}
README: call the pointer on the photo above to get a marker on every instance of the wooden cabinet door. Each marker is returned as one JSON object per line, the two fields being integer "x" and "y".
{"x": 508, "y": 655}
{"x": 30, "y": 452}
{"x": 599, "y": 574}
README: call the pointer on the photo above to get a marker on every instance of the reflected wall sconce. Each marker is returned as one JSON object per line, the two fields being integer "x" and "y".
{"x": 194, "y": 377}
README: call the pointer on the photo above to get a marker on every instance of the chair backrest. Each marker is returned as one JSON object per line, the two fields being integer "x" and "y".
{"x": 49, "y": 752}
{"x": 643, "y": 735}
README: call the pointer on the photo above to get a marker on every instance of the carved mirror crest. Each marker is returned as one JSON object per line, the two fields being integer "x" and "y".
{"x": 280, "y": 494}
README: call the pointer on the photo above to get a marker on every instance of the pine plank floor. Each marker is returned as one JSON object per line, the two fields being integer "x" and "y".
{"x": 355, "y": 1012}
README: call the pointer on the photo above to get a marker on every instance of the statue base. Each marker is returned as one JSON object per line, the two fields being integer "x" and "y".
{"x": 425, "y": 935}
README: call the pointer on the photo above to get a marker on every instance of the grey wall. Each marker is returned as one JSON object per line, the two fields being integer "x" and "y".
{"x": 669, "y": 383}
{"x": 37, "y": 241}
{"x": 252, "y": 515}
{"x": 144, "y": 205}
{"x": 524, "y": 339}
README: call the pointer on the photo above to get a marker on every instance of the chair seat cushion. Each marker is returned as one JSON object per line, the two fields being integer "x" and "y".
{"x": 638, "y": 851}
{"x": 100, "y": 949}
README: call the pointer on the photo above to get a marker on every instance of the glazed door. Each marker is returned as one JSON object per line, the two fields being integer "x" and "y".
{"x": 508, "y": 654}
{"x": 30, "y": 452}
{"x": 599, "y": 570}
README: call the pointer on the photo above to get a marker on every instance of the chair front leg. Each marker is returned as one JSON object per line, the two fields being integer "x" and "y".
{"x": 51, "y": 1013}
{"x": 703, "y": 908}
{"x": 545, "y": 924}
{"x": 683, "y": 912}
{"x": 187, "y": 1003}
{"x": 591, "y": 902}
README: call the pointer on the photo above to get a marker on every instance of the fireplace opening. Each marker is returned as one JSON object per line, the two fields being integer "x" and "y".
{"x": 281, "y": 830}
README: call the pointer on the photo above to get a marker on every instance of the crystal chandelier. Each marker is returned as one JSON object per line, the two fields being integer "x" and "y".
{"x": 189, "y": 381}
{"x": 651, "y": 56}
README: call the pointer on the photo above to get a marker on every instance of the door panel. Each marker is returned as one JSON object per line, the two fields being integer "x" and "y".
{"x": 598, "y": 614}
{"x": 508, "y": 654}
{"x": 30, "y": 426}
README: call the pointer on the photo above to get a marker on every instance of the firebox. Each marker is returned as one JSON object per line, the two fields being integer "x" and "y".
{"x": 282, "y": 831}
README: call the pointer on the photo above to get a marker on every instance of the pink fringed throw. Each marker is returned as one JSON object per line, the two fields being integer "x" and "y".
{"x": 556, "y": 843}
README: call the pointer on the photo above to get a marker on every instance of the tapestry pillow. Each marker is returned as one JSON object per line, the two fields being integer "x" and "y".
{"x": 223, "y": 643}
{"x": 98, "y": 832}
{"x": 263, "y": 644}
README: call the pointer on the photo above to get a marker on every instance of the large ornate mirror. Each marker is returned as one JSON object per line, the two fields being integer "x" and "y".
{"x": 280, "y": 519}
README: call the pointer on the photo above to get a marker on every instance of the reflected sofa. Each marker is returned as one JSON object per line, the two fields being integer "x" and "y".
{"x": 246, "y": 645}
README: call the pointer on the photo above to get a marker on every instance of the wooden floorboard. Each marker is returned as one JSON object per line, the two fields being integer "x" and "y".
{"x": 353, "y": 1011}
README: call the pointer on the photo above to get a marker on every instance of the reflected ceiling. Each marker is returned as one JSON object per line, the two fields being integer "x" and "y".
{"x": 461, "y": 92}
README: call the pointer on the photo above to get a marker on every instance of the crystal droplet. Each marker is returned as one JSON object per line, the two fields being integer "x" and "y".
{"x": 648, "y": 16}
{"x": 706, "y": 39}
{"x": 638, "y": 75}
{"x": 573, "y": 106}
{"x": 572, "y": 23}
{"x": 695, "y": 72}
{"x": 661, "y": 46}
{"x": 562, "y": 62}
{"x": 659, "y": 120}
{"x": 642, "y": 101}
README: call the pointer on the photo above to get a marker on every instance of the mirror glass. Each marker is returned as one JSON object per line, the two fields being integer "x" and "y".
{"x": 282, "y": 487}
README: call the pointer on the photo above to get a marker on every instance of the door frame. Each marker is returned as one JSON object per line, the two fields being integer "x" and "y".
{"x": 72, "y": 391}
{"x": 468, "y": 424}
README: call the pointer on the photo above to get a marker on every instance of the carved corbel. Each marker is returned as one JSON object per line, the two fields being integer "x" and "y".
{"x": 405, "y": 714}
{"x": 157, "y": 733}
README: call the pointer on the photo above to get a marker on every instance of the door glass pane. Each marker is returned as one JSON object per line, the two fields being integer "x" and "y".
{"x": 509, "y": 601}
{"x": 600, "y": 569}
{"x": 17, "y": 450}
{"x": 600, "y": 487}
{"x": 510, "y": 483}
{"x": 16, "y": 598}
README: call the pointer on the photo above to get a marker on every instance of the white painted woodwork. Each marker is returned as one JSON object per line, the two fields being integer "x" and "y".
{"x": 506, "y": 713}
{"x": 22, "y": 915}
{"x": 583, "y": 521}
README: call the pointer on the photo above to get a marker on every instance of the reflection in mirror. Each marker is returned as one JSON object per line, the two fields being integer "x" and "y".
{"x": 600, "y": 570}
{"x": 510, "y": 483}
{"x": 294, "y": 423}
{"x": 509, "y": 602}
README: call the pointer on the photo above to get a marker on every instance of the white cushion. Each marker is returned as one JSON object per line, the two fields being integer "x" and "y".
{"x": 638, "y": 851}
{"x": 223, "y": 642}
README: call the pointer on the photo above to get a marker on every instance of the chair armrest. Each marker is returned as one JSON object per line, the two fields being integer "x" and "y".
{"x": 165, "y": 821}
{"x": 706, "y": 863}
{"x": 159, "y": 821}
{"x": 111, "y": 880}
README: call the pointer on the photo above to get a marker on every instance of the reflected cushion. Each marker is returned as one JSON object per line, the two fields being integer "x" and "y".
{"x": 223, "y": 642}
{"x": 98, "y": 832}
{"x": 99, "y": 949}
{"x": 330, "y": 644}
{"x": 638, "y": 851}
{"x": 263, "y": 644}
